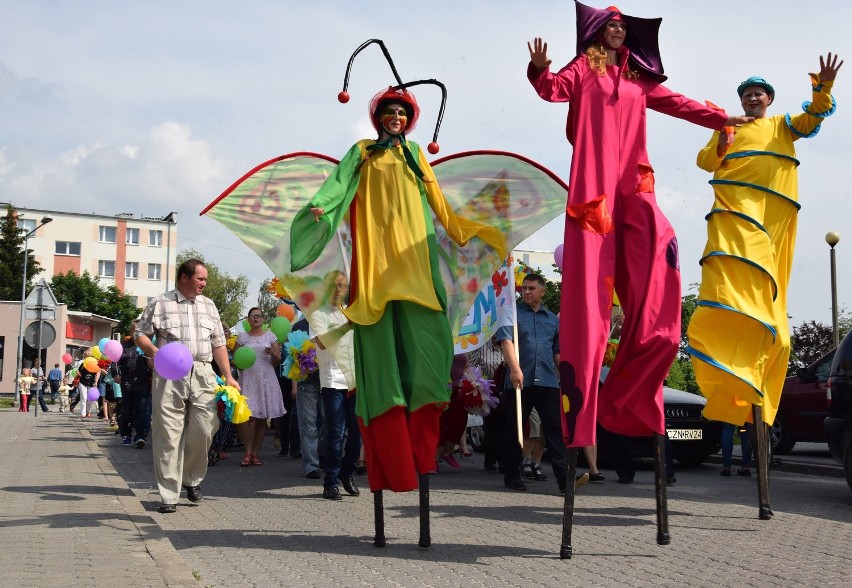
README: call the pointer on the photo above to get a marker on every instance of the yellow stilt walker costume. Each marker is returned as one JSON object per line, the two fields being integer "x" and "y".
{"x": 739, "y": 338}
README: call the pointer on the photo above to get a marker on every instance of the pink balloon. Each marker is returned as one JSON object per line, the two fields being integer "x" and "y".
{"x": 557, "y": 255}
{"x": 93, "y": 394}
{"x": 66, "y": 358}
{"x": 112, "y": 350}
{"x": 173, "y": 361}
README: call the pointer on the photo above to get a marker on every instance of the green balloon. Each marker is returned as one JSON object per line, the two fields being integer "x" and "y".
{"x": 280, "y": 327}
{"x": 244, "y": 358}
{"x": 246, "y": 325}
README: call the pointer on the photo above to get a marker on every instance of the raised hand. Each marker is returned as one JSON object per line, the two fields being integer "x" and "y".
{"x": 538, "y": 53}
{"x": 828, "y": 67}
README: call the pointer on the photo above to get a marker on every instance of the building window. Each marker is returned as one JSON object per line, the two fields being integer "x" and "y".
{"x": 155, "y": 238}
{"x": 67, "y": 248}
{"x": 131, "y": 270}
{"x": 153, "y": 271}
{"x": 149, "y": 299}
{"x": 106, "y": 234}
{"x": 134, "y": 300}
{"x": 132, "y": 237}
{"x": 26, "y": 225}
{"x": 106, "y": 269}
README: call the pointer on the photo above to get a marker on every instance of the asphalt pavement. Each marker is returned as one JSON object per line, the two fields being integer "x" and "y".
{"x": 78, "y": 510}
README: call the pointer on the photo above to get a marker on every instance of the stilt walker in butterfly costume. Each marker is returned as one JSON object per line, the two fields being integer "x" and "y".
{"x": 616, "y": 237}
{"x": 412, "y": 279}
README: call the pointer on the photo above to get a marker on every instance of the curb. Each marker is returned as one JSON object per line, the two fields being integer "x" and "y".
{"x": 172, "y": 566}
{"x": 794, "y": 467}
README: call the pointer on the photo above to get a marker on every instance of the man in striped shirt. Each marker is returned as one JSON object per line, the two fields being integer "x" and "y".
{"x": 184, "y": 411}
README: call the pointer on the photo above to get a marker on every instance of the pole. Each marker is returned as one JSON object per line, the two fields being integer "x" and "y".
{"x": 834, "y": 328}
{"x": 20, "y": 363}
{"x": 833, "y": 238}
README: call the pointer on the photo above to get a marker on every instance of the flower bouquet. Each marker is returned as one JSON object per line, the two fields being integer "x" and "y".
{"x": 475, "y": 392}
{"x": 235, "y": 404}
{"x": 300, "y": 356}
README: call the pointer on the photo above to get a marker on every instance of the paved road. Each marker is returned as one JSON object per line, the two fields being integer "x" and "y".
{"x": 268, "y": 526}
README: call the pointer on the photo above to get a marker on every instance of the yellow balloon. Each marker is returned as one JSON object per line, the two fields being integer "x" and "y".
{"x": 90, "y": 364}
{"x": 96, "y": 352}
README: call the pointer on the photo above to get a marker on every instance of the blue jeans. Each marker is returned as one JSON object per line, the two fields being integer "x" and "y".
{"x": 728, "y": 445}
{"x": 340, "y": 422}
{"x": 309, "y": 409}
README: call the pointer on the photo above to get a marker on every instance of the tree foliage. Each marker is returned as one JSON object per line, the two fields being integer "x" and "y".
{"x": 228, "y": 293}
{"x": 85, "y": 293}
{"x": 12, "y": 257}
{"x": 267, "y": 301}
{"x": 809, "y": 341}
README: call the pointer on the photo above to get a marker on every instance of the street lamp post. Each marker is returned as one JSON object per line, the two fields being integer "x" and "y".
{"x": 44, "y": 221}
{"x": 833, "y": 239}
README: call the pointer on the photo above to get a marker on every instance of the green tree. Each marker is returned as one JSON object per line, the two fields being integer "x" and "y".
{"x": 267, "y": 301}
{"x": 553, "y": 292}
{"x": 12, "y": 257}
{"x": 85, "y": 293}
{"x": 808, "y": 342}
{"x": 228, "y": 293}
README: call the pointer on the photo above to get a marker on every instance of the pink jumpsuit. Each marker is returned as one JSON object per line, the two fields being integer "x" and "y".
{"x": 616, "y": 237}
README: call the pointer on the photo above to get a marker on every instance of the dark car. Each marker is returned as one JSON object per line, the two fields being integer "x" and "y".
{"x": 838, "y": 423}
{"x": 803, "y": 407}
{"x": 693, "y": 438}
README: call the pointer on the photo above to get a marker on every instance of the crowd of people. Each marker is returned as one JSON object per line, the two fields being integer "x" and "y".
{"x": 409, "y": 420}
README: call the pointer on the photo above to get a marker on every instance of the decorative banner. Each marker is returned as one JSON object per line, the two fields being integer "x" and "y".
{"x": 492, "y": 308}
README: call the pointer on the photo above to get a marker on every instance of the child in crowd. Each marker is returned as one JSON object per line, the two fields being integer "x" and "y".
{"x": 25, "y": 382}
{"x": 64, "y": 391}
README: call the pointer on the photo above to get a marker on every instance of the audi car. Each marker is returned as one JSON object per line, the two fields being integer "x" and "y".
{"x": 693, "y": 438}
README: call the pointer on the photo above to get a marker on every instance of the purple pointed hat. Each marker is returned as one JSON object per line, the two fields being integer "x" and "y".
{"x": 642, "y": 36}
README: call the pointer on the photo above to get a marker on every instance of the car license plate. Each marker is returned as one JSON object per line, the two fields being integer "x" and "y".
{"x": 685, "y": 434}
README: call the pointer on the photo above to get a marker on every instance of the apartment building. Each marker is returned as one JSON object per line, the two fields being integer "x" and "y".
{"x": 135, "y": 254}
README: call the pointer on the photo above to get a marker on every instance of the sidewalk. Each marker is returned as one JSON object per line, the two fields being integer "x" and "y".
{"x": 72, "y": 494}
{"x": 67, "y": 517}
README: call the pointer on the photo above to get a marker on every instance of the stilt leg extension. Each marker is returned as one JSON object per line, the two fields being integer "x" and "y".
{"x": 663, "y": 537}
{"x": 379, "y": 517}
{"x": 565, "y": 550}
{"x": 761, "y": 462}
{"x": 425, "y": 537}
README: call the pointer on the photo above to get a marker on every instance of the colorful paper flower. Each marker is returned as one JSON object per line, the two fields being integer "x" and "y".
{"x": 235, "y": 404}
{"x": 300, "y": 356}
{"x": 476, "y": 392}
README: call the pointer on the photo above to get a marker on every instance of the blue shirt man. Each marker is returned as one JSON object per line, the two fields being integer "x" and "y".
{"x": 533, "y": 369}
{"x": 54, "y": 379}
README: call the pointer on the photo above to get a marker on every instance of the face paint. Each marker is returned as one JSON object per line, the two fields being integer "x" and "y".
{"x": 394, "y": 119}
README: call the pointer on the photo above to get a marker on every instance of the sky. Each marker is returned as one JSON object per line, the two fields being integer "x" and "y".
{"x": 152, "y": 107}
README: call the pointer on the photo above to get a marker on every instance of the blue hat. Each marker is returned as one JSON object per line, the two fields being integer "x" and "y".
{"x": 756, "y": 81}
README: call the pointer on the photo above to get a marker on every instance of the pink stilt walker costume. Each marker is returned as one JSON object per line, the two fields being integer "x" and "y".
{"x": 615, "y": 234}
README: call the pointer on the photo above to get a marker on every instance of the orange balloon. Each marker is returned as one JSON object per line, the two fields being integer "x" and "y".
{"x": 287, "y": 311}
{"x": 91, "y": 364}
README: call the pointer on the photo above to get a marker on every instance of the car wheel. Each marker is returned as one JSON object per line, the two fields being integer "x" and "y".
{"x": 781, "y": 438}
{"x": 847, "y": 461}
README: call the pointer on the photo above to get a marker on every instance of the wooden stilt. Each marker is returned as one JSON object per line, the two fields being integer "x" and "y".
{"x": 663, "y": 537}
{"x": 425, "y": 536}
{"x": 379, "y": 517}
{"x": 565, "y": 550}
{"x": 761, "y": 463}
